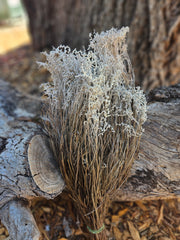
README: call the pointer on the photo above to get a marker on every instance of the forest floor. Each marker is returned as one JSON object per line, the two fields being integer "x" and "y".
{"x": 57, "y": 219}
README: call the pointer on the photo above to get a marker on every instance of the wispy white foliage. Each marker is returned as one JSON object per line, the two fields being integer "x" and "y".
{"x": 94, "y": 118}
{"x": 100, "y": 79}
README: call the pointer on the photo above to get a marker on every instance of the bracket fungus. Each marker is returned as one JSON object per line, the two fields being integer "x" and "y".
{"x": 44, "y": 169}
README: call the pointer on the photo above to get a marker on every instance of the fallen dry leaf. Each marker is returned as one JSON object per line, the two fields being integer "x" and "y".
{"x": 136, "y": 214}
{"x": 145, "y": 225}
{"x": 122, "y": 212}
{"x": 117, "y": 233}
{"x": 154, "y": 229}
{"x": 60, "y": 214}
{"x": 134, "y": 232}
{"x": 115, "y": 218}
{"x": 46, "y": 209}
{"x": 78, "y": 232}
{"x": 144, "y": 238}
{"x": 61, "y": 209}
{"x": 178, "y": 228}
{"x": 161, "y": 215}
{"x": 126, "y": 235}
{"x": 107, "y": 221}
{"x": 141, "y": 205}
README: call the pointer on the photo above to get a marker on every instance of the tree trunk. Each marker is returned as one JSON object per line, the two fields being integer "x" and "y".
{"x": 154, "y": 38}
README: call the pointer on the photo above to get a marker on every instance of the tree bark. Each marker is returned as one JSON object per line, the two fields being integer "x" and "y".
{"x": 154, "y": 38}
{"x": 18, "y": 124}
{"x": 155, "y": 174}
{"x": 19, "y": 221}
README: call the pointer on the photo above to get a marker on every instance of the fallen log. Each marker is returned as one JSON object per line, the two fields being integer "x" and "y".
{"x": 21, "y": 178}
{"x": 156, "y": 172}
{"x": 27, "y": 168}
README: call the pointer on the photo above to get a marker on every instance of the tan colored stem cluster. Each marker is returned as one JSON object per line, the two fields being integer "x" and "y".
{"x": 94, "y": 118}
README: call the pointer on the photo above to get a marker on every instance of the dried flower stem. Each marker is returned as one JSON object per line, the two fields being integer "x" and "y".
{"x": 94, "y": 119}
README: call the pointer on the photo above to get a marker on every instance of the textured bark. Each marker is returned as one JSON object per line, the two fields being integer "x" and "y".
{"x": 17, "y": 218}
{"x": 17, "y": 128}
{"x": 156, "y": 172}
{"x": 154, "y": 38}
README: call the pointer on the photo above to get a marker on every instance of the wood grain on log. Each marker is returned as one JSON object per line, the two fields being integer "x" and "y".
{"x": 17, "y": 128}
{"x": 156, "y": 173}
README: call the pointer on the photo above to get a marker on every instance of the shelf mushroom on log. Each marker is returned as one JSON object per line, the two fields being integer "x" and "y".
{"x": 27, "y": 169}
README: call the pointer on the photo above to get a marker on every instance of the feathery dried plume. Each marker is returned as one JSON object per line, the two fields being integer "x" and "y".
{"x": 94, "y": 118}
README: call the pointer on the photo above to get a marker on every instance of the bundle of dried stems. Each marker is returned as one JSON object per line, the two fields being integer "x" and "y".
{"x": 94, "y": 119}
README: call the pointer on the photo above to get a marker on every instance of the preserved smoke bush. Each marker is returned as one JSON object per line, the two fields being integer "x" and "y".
{"x": 94, "y": 116}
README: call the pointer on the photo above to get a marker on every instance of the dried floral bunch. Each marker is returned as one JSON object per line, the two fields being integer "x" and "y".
{"x": 94, "y": 118}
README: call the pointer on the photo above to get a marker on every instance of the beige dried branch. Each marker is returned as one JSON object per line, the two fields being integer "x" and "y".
{"x": 94, "y": 118}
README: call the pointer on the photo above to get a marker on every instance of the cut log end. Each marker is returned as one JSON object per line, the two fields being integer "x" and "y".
{"x": 43, "y": 167}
